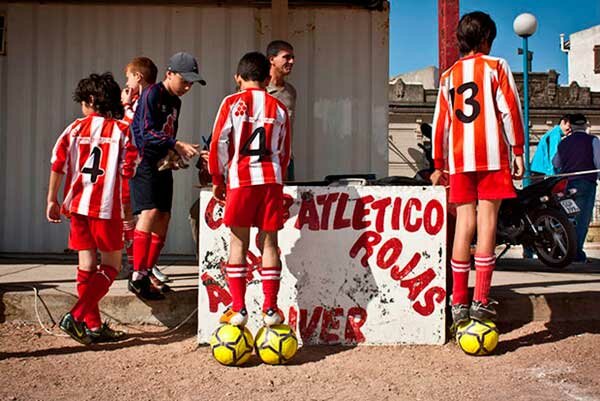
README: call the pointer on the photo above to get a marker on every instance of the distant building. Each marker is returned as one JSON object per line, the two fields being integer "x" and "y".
{"x": 428, "y": 77}
{"x": 584, "y": 57}
{"x": 412, "y": 104}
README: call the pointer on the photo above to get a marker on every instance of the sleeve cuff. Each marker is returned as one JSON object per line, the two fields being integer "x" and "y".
{"x": 438, "y": 164}
{"x": 518, "y": 150}
{"x": 57, "y": 168}
{"x": 218, "y": 179}
{"x": 171, "y": 143}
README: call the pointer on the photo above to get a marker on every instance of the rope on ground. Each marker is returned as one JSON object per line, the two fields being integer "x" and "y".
{"x": 39, "y": 319}
{"x": 37, "y": 313}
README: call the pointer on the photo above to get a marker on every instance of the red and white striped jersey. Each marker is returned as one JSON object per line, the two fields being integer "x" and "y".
{"x": 130, "y": 109}
{"x": 94, "y": 152}
{"x": 477, "y": 116}
{"x": 250, "y": 140}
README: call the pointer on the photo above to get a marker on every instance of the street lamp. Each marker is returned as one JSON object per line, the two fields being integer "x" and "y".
{"x": 525, "y": 25}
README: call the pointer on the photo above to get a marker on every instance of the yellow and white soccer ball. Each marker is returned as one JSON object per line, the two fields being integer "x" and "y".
{"x": 477, "y": 338}
{"x": 231, "y": 345}
{"x": 277, "y": 344}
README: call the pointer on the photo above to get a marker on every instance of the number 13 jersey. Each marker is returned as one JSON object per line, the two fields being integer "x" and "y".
{"x": 94, "y": 152}
{"x": 477, "y": 116}
{"x": 250, "y": 140}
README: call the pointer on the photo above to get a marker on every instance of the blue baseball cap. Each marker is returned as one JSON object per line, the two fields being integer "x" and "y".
{"x": 186, "y": 65}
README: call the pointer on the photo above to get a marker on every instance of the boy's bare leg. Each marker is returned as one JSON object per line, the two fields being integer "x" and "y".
{"x": 235, "y": 272}
{"x": 154, "y": 221}
{"x": 485, "y": 258}
{"x": 487, "y": 220}
{"x": 270, "y": 251}
{"x": 88, "y": 260}
{"x": 270, "y": 273}
{"x": 112, "y": 259}
{"x": 466, "y": 219}
{"x": 240, "y": 239}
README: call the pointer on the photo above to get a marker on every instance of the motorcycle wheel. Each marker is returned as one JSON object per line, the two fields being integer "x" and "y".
{"x": 557, "y": 244}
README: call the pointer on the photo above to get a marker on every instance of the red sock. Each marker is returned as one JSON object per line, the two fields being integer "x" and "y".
{"x": 97, "y": 287}
{"x": 128, "y": 235}
{"x": 236, "y": 281}
{"x": 484, "y": 267}
{"x": 271, "y": 277}
{"x": 141, "y": 245}
{"x": 92, "y": 319}
{"x": 156, "y": 245}
{"x": 460, "y": 282}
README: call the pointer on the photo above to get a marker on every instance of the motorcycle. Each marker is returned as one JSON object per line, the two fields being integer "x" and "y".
{"x": 539, "y": 218}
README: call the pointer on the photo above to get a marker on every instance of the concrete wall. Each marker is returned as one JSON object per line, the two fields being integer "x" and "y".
{"x": 581, "y": 58}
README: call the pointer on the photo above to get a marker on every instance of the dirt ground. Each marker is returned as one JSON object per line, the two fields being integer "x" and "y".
{"x": 533, "y": 362}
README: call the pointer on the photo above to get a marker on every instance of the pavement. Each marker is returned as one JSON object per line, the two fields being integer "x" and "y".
{"x": 526, "y": 289}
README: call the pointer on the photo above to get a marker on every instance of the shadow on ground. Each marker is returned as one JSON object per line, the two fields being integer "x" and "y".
{"x": 133, "y": 340}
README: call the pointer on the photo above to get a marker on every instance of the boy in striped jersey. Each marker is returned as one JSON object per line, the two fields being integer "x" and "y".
{"x": 251, "y": 147}
{"x": 477, "y": 122}
{"x": 95, "y": 153}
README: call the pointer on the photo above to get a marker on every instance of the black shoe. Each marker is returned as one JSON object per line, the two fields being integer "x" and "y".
{"x": 160, "y": 275}
{"x": 143, "y": 289}
{"x": 105, "y": 334}
{"x": 75, "y": 329}
{"x": 158, "y": 285}
{"x": 480, "y": 311}
{"x": 460, "y": 313}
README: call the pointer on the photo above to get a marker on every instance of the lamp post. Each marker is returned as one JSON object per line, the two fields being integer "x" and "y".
{"x": 525, "y": 25}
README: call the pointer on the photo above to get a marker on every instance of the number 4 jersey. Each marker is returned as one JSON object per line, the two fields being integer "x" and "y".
{"x": 94, "y": 152}
{"x": 477, "y": 116}
{"x": 250, "y": 140}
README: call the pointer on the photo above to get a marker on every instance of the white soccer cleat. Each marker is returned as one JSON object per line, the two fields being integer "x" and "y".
{"x": 272, "y": 317}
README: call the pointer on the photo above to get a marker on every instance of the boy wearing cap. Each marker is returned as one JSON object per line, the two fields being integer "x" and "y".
{"x": 576, "y": 153}
{"x": 154, "y": 127}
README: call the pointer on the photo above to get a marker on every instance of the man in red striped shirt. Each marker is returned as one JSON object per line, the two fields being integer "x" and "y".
{"x": 95, "y": 153}
{"x": 251, "y": 146}
{"x": 477, "y": 122}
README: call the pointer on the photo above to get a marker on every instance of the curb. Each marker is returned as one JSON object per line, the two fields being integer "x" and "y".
{"x": 19, "y": 305}
{"x": 124, "y": 309}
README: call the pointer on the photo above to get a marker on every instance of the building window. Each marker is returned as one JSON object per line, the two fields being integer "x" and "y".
{"x": 2, "y": 34}
{"x": 597, "y": 59}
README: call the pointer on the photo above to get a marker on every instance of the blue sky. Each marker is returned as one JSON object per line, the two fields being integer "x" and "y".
{"x": 413, "y": 31}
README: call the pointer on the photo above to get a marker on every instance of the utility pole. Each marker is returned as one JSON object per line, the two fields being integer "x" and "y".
{"x": 448, "y": 12}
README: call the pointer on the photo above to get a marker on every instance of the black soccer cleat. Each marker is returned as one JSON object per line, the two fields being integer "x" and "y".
{"x": 158, "y": 285}
{"x": 144, "y": 289}
{"x": 105, "y": 334}
{"x": 480, "y": 311}
{"x": 76, "y": 330}
{"x": 460, "y": 313}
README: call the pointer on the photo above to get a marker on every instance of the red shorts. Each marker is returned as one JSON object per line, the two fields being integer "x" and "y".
{"x": 125, "y": 194}
{"x": 93, "y": 233}
{"x": 255, "y": 206}
{"x": 484, "y": 185}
